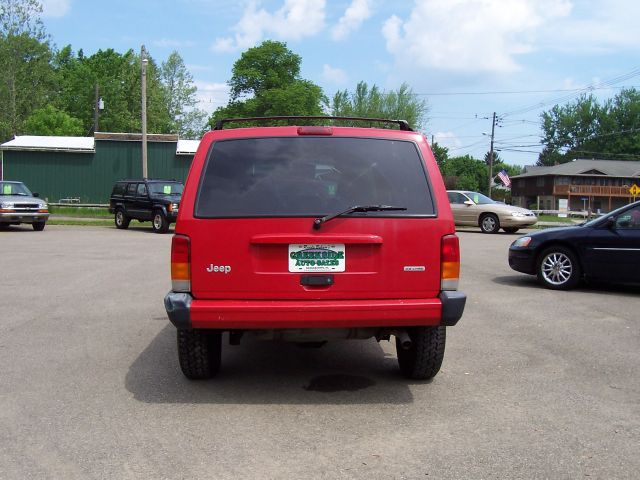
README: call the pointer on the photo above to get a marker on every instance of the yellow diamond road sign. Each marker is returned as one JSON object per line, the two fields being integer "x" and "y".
{"x": 635, "y": 190}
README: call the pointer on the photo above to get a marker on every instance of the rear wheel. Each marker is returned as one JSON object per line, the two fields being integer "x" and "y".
{"x": 489, "y": 223}
{"x": 558, "y": 268}
{"x": 38, "y": 226}
{"x": 122, "y": 221}
{"x": 160, "y": 222}
{"x": 423, "y": 359}
{"x": 199, "y": 352}
{"x": 511, "y": 229}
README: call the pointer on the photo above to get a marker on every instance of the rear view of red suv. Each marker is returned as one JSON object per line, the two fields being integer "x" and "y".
{"x": 313, "y": 233}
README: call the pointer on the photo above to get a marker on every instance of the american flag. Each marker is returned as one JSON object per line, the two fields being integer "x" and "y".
{"x": 505, "y": 178}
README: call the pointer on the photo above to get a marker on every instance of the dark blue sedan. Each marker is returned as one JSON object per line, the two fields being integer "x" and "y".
{"x": 605, "y": 249}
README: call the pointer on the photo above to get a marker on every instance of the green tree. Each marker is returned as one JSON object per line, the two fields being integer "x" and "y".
{"x": 466, "y": 173}
{"x": 26, "y": 75}
{"x": 400, "y": 104}
{"x": 441, "y": 153}
{"x": 586, "y": 128}
{"x": 186, "y": 120}
{"x": 51, "y": 121}
{"x": 119, "y": 81}
{"x": 496, "y": 157}
{"x": 266, "y": 81}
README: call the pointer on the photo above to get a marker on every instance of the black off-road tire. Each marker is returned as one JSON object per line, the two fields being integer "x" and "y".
{"x": 159, "y": 222}
{"x": 121, "y": 220}
{"x": 511, "y": 229}
{"x": 558, "y": 268}
{"x": 199, "y": 353}
{"x": 38, "y": 226}
{"x": 489, "y": 223}
{"x": 423, "y": 360}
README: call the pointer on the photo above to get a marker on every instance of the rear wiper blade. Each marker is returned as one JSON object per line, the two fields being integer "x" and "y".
{"x": 356, "y": 208}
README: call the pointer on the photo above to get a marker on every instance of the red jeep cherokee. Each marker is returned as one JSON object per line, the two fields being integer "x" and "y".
{"x": 312, "y": 233}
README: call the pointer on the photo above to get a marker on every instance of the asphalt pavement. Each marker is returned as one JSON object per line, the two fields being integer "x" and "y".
{"x": 535, "y": 383}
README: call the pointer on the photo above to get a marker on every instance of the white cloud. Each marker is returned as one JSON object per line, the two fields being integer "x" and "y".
{"x": 603, "y": 27}
{"x": 356, "y": 13}
{"x": 211, "y": 95}
{"x": 296, "y": 19}
{"x": 334, "y": 75}
{"x": 446, "y": 139}
{"x": 173, "y": 43}
{"x": 55, "y": 8}
{"x": 470, "y": 35}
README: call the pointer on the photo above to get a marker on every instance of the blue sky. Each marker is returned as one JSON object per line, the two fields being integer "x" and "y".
{"x": 457, "y": 54}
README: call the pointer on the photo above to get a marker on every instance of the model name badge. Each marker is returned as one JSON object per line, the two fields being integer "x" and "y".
{"x": 219, "y": 268}
{"x": 414, "y": 268}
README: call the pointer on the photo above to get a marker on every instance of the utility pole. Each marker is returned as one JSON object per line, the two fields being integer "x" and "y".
{"x": 96, "y": 109}
{"x": 493, "y": 128}
{"x": 143, "y": 68}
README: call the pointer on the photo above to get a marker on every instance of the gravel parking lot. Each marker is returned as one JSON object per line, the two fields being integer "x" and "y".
{"x": 535, "y": 383}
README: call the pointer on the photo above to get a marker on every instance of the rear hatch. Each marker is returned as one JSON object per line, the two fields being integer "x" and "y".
{"x": 253, "y": 235}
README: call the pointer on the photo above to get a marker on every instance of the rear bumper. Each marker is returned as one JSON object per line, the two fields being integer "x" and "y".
{"x": 186, "y": 312}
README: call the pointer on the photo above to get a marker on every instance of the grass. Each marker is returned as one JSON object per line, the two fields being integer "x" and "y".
{"x": 82, "y": 212}
{"x": 93, "y": 223}
{"x": 554, "y": 218}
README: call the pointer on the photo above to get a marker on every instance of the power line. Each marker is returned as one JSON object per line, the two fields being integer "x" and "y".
{"x": 606, "y": 84}
{"x": 519, "y": 92}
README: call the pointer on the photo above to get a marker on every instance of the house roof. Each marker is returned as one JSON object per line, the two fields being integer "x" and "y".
{"x": 47, "y": 143}
{"x": 611, "y": 168}
{"x": 88, "y": 144}
{"x": 187, "y": 147}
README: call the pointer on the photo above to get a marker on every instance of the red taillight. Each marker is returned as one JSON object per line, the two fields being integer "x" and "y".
{"x": 315, "y": 130}
{"x": 450, "y": 262}
{"x": 181, "y": 263}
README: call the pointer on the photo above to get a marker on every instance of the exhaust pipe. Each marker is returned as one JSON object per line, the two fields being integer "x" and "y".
{"x": 403, "y": 338}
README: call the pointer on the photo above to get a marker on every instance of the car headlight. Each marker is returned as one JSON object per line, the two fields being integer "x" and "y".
{"x": 6, "y": 205}
{"x": 522, "y": 242}
{"x": 43, "y": 208}
{"x": 174, "y": 207}
{"x": 518, "y": 214}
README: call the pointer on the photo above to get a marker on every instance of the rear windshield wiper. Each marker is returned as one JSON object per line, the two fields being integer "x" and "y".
{"x": 317, "y": 223}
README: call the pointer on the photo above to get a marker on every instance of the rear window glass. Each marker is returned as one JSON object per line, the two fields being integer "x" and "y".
{"x": 292, "y": 176}
{"x": 118, "y": 188}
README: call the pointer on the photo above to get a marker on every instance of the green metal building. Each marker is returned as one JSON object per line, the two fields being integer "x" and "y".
{"x": 85, "y": 168}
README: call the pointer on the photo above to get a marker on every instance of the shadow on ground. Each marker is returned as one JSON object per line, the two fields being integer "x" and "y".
{"x": 595, "y": 288}
{"x": 264, "y": 372}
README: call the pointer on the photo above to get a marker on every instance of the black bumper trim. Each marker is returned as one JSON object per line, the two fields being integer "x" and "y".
{"x": 178, "y": 306}
{"x": 452, "y": 307}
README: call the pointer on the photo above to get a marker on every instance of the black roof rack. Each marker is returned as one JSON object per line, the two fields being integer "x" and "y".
{"x": 402, "y": 124}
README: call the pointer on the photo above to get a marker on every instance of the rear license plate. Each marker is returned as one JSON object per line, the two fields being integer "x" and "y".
{"x": 316, "y": 258}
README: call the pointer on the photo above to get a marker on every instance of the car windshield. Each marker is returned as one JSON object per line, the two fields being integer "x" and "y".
{"x": 600, "y": 220}
{"x": 292, "y": 176}
{"x": 14, "y": 188}
{"x": 166, "y": 188}
{"x": 479, "y": 199}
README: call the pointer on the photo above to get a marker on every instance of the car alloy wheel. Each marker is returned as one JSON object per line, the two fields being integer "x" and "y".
{"x": 489, "y": 224}
{"x": 558, "y": 268}
{"x": 119, "y": 218}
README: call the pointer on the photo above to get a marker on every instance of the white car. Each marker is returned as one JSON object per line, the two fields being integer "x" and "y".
{"x": 478, "y": 210}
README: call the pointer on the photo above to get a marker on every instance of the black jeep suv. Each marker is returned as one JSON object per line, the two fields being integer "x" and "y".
{"x": 144, "y": 200}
